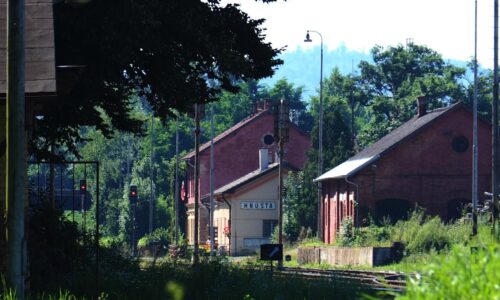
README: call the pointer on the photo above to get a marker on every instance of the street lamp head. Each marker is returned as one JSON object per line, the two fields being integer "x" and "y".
{"x": 308, "y": 38}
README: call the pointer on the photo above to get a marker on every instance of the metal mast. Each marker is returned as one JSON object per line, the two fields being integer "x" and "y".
{"x": 495, "y": 160}
{"x": 212, "y": 206}
{"x": 176, "y": 196}
{"x": 474, "y": 134}
{"x": 151, "y": 173}
{"x": 196, "y": 180}
{"x": 16, "y": 147}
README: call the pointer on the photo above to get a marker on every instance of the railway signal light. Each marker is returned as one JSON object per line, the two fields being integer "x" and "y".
{"x": 83, "y": 186}
{"x": 133, "y": 192}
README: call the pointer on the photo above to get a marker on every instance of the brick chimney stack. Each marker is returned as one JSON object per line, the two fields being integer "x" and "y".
{"x": 422, "y": 106}
{"x": 261, "y": 106}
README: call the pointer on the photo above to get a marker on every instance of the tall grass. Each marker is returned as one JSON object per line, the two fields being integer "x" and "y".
{"x": 465, "y": 273}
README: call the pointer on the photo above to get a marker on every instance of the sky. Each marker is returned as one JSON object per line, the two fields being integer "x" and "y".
{"x": 446, "y": 26}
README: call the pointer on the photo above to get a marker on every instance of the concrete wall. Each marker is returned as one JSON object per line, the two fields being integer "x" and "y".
{"x": 338, "y": 256}
{"x": 424, "y": 171}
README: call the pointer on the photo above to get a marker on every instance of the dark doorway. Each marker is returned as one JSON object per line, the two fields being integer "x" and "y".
{"x": 456, "y": 208}
{"x": 391, "y": 210}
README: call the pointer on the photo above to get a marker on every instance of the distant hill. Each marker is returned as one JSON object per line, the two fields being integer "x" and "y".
{"x": 301, "y": 67}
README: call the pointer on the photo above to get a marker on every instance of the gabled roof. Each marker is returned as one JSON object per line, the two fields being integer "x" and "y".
{"x": 228, "y": 132}
{"x": 392, "y": 139}
{"x": 250, "y": 177}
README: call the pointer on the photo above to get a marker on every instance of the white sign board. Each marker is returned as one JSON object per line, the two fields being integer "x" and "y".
{"x": 258, "y": 205}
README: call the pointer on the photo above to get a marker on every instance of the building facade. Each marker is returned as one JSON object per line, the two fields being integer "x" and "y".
{"x": 247, "y": 210}
{"x": 426, "y": 162}
{"x": 236, "y": 153}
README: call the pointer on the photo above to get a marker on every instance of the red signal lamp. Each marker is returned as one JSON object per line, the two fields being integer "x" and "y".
{"x": 133, "y": 192}
{"x": 83, "y": 186}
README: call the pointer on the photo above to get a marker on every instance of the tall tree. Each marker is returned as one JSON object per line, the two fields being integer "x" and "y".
{"x": 397, "y": 76}
{"x": 174, "y": 53}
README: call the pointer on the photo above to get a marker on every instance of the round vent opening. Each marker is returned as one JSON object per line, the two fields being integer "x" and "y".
{"x": 460, "y": 144}
{"x": 268, "y": 139}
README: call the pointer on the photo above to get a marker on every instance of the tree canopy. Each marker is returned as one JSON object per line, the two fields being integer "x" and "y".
{"x": 172, "y": 53}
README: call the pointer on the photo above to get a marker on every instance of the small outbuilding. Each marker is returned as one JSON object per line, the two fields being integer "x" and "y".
{"x": 425, "y": 162}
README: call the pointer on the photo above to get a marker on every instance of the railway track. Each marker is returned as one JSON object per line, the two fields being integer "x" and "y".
{"x": 379, "y": 280}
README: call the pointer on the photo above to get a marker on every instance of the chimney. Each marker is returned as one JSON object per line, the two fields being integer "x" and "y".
{"x": 422, "y": 106}
{"x": 263, "y": 159}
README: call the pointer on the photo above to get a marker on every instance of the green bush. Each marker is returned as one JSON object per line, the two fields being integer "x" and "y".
{"x": 346, "y": 235}
{"x": 159, "y": 237}
{"x": 421, "y": 233}
{"x": 465, "y": 273}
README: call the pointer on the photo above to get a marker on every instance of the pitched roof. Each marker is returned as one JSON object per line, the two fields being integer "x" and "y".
{"x": 250, "y": 177}
{"x": 392, "y": 139}
{"x": 228, "y": 132}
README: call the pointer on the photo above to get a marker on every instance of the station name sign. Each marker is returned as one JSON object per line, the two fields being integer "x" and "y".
{"x": 258, "y": 205}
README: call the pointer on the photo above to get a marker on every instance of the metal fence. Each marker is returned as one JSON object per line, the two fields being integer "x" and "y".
{"x": 59, "y": 183}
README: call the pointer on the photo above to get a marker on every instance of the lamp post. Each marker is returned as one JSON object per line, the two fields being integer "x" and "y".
{"x": 320, "y": 134}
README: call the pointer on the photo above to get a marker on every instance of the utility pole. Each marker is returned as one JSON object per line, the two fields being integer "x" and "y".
{"x": 495, "y": 158}
{"x": 196, "y": 180}
{"x": 284, "y": 112}
{"x": 320, "y": 146}
{"x": 474, "y": 134}
{"x": 151, "y": 174}
{"x": 16, "y": 148}
{"x": 212, "y": 178}
{"x": 176, "y": 196}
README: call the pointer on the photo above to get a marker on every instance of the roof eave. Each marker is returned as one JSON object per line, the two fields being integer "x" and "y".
{"x": 350, "y": 173}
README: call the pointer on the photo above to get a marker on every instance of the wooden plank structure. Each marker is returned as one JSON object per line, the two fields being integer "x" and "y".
{"x": 40, "y": 54}
{"x": 40, "y": 79}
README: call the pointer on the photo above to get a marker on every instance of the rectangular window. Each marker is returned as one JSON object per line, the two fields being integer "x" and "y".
{"x": 268, "y": 227}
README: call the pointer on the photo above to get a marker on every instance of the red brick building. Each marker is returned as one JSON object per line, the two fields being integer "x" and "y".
{"x": 236, "y": 153}
{"x": 426, "y": 162}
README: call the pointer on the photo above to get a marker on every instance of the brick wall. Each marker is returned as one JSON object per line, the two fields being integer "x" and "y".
{"x": 424, "y": 170}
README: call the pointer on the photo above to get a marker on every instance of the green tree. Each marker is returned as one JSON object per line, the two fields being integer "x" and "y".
{"x": 299, "y": 213}
{"x": 397, "y": 76}
{"x": 172, "y": 53}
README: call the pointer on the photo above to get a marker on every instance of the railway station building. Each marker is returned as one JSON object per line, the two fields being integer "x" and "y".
{"x": 425, "y": 162}
{"x": 236, "y": 154}
{"x": 247, "y": 209}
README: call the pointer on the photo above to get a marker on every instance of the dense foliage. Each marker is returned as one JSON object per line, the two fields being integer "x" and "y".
{"x": 353, "y": 118}
{"x": 171, "y": 53}
{"x": 358, "y": 109}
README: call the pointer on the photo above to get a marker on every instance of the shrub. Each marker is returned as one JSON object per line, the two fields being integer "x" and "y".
{"x": 346, "y": 234}
{"x": 422, "y": 234}
{"x": 155, "y": 241}
{"x": 56, "y": 248}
